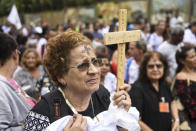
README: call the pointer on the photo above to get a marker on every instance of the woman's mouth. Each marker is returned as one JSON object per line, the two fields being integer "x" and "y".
{"x": 93, "y": 81}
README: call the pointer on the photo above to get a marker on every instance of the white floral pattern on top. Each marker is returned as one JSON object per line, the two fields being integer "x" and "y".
{"x": 36, "y": 122}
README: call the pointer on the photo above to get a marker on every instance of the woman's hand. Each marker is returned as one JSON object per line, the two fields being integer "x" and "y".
{"x": 76, "y": 123}
{"x": 125, "y": 87}
{"x": 122, "y": 98}
{"x": 175, "y": 126}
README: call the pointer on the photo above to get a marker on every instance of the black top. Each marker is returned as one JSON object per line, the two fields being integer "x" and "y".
{"x": 146, "y": 99}
{"x": 187, "y": 93}
{"x": 53, "y": 106}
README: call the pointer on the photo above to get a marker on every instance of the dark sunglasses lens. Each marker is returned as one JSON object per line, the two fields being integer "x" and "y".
{"x": 83, "y": 66}
{"x": 150, "y": 66}
{"x": 159, "y": 66}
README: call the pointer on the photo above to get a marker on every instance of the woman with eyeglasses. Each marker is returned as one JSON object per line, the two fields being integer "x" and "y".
{"x": 185, "y": 83}
{"x": 73, "y": 66}
{"x": 151, "y": 95}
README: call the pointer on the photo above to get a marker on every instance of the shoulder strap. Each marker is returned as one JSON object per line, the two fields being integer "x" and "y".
{"x": 173, "y": 83}
{"x": 188, "y": 79}
{"x": 22, "y": 98}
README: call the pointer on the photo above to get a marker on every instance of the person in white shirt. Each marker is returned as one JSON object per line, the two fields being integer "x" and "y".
{"x": 107, "y": 78}
{"x": 156, "y": 38}
{"x": 169, "y": 48}
{"x": 136, "y": 51}
{"x": 40, "y": 40}
{"x": 176, "y": 19}
{"x": 146, "y": 31}
{"x": 190, "y": 35}
{"x": 104, "y": 28}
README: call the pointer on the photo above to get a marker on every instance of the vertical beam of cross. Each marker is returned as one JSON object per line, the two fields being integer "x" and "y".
{"x": 120, "y": 38}
{"x": 121, "y": 49}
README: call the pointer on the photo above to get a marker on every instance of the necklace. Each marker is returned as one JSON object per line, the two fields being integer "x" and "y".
{"x": 72, "y": 107}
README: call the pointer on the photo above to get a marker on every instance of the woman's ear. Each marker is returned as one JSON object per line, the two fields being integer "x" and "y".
{"x": 15, "y": 56}
{"x": 63, "y": 80}
{"x": 182, "y": 61}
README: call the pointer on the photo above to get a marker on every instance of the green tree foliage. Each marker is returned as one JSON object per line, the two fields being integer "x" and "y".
{"x": 5, "y": 6}
{"x": 26, "y": 6}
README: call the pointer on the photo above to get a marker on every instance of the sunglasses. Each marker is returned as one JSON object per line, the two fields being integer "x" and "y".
{"x": 85, "y": 65}
{"x": 151, "y": 66}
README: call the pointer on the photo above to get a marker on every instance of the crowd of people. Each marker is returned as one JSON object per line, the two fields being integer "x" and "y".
{"x": 48, "y": 73}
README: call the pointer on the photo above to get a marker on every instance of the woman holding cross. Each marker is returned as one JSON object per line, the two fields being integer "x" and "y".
{"x": 73, "y": 66}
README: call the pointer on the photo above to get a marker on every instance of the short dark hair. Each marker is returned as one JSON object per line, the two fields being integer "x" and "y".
{"x": 7, "y": 46}
{"x": 139, "y": 45}
{"x": 102, "y": 55}
{"x": 139, "y": 21}
{"x": 88, "y": 35}
{"x": 181, "y": 55}
{"x": 143, "y": 67}
{"x": 126, "y": 47}
{"x": 101, "y": 49}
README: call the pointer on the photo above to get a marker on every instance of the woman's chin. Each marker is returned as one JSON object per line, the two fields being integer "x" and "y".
{"x": 93, "y": 87}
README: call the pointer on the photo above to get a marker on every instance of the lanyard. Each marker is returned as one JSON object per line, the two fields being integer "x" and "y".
{"x": 73, "y": 109}
{"x": 68, "y": 103}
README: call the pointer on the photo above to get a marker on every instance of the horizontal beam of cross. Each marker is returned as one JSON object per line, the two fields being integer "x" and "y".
{"x": 121, "y": 37}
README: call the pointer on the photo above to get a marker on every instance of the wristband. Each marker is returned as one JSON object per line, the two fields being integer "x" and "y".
{"x": 176, "y": 120}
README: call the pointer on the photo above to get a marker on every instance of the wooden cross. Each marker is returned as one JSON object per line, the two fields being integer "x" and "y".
{"x": 120, "y": 38}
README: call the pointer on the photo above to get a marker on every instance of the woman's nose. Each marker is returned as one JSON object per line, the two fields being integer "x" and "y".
{"x": 155, "y": 68}
{"x": 93, "y": 69}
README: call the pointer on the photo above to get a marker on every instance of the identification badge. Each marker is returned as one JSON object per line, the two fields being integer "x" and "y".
{"x": 163, "y": 107}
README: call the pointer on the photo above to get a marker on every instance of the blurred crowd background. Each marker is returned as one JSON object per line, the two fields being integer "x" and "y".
{"x": 166, "y": 27}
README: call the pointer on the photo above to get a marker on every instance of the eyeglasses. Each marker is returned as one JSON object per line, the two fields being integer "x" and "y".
{"x": 151, "y": 66}
{"x": 85, "y": 65}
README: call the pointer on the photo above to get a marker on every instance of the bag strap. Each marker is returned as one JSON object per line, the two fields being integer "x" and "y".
{"x": 173, "y": 83}
{"x": 188, "y": 79}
